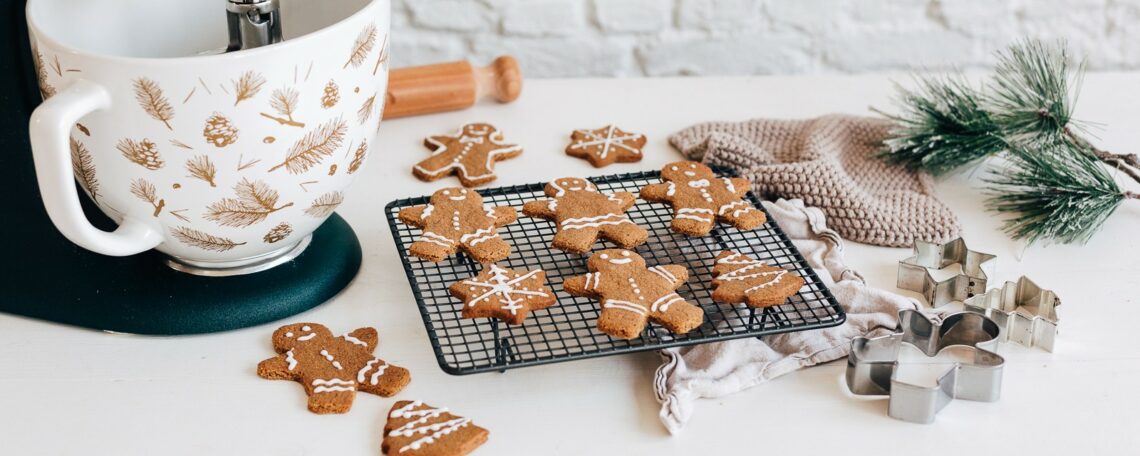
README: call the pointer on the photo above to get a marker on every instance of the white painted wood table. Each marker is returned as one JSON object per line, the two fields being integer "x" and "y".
{"x": 72, "y": 391}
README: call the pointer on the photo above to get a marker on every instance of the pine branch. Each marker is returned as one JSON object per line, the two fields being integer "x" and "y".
{"x": 204, "y": 241}
{"x": 1029, "y": 93}
{"x": 83, "y": 167}
{"x": 153, "y": 102}
{"x": 1058, "y": 192}
{"x": 146, "y": 191}
{"x": 200, "y": 167}
{"x": 363, "y": 45}
{"x": 365, "y": 111}
{"x": 254, "y": 202}
{"x": 325, "y": 204}
{"x": 942, "y": 127}
{"x": 284, "y": 102}
{"x": 314, "y": 147}
{"x": 247, "y": 86}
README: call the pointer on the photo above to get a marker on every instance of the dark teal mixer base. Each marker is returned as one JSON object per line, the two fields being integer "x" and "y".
{"x": 141, "y": 295}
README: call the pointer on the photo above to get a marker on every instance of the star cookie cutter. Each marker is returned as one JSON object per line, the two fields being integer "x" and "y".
{"x": 926, "y": 364}
{"x": 914, "y": 272}
{"x": 1025, "y": 312}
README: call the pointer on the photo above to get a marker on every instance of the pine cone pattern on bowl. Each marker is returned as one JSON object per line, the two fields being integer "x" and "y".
{"x": 278, "y": 233}
{"x": 331, "y": 95}
{"x": 220, "y": 131}
{"x": 144, "y": 153}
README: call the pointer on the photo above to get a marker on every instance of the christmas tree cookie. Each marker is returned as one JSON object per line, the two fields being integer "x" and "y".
{"x": 740, "y": 279}
{"x": 417, "y": 429}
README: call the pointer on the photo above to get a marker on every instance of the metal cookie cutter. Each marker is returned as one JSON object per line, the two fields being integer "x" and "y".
{"x": 914, "y": 274}
{"x": 1025, "y": 312}
{"x": 925, "y": 364}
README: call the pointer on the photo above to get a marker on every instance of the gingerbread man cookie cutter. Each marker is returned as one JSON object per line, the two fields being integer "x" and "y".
{"x": 914, "y": 272}
{"x": 1026, "y": 313}
{"x": 925, "y": 364}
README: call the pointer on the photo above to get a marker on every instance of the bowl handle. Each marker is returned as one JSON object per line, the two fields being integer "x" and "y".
{"x": 50, "y": 129}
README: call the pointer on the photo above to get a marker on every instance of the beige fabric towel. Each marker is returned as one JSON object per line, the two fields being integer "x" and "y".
{"x": 829, "y": 163}
{"x": 721, "y": 368}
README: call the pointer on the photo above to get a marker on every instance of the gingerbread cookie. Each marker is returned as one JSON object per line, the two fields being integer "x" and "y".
{"x": 331, "y": 368}
{"x": 581, "y": 213}
{"x": 417, "y": 429}
{"x": 606, "y": 146}
{"x": 738, "y": 278}
{"x": 631, "y": 293}
{"x": 699, "y": 199}
{"x": 503, "y": 293}
{"x": 456, "y": 219}
{"x": 470, "y": 153}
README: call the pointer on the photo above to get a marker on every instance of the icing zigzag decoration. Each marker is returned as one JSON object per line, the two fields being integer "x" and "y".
{"x": 418, "y": 429}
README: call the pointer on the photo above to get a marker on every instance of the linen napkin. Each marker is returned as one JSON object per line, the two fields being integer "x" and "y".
{"x": 722, "y": 368}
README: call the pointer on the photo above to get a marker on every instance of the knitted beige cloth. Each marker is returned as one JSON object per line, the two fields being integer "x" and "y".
{"x": 829, "y": 163}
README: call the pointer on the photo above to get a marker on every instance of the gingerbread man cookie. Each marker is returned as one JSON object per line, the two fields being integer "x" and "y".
{"x": 606, "y": 146}
{"x": 699, "y": 199}
{"x": 456, "y": 219}
{"x": 470, "y": 153}
{"x": 738, "y": 278}
{"x": 417, "y": 429}
{"x": 631, "y": 294}
{"x": 331, "y": 368}
{"x": 581, "y": 213}
{"x": 503, "y": 293}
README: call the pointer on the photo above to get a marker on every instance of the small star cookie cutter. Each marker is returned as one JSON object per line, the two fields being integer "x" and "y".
{"x": 914, "y": 272}
{"x": 1026, "y": 313}
{"x": 926, "y": 364}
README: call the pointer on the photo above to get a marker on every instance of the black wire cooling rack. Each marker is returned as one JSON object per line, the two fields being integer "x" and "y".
{"x": 566, "y": 331}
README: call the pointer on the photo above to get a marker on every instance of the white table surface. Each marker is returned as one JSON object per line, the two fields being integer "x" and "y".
{"x": 65, "y": 390}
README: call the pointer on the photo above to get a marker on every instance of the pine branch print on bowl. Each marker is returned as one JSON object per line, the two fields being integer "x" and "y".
{"x": 366, "y": 108}
{"x": 151, "y": 99}
{"x": 247, "y": 86}
{"x": 83, "y": 167}
{"x": 312, "y": 149}
{"x": 254, "y": 203}
{"x": 200, "y": 167}
{"x": 362, "y": 46}
{"x": 204, "y": 241}
{"x": 284, "y": 103}
{"x": 145, "y": 191}
{"x": 144, "y": 153}
{"x": 325, "y": 204}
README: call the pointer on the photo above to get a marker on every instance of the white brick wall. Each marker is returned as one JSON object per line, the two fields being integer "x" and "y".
{"x": 731, "y": 37}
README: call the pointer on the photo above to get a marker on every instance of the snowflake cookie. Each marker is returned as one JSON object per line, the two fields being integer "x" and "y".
{"x": 417, "y": 429}
{"x": 456, "y": 219}
{"x": 632, "y": 294}
{"x": 606, "y": 146}
{"x": 738, "y": 278}
{"x": 470, "y": 154}
{"x": 503, "y": 293}
{"x": 699, "y": 199}
{"x": 331, "y": 368}
{"x": 581, "y": 213}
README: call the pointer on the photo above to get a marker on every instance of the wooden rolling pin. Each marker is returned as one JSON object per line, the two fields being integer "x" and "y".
{"x": 450, "y": 86}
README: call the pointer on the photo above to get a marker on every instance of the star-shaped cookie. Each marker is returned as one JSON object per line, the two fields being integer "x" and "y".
{"x": 606, "y": 145}
{"x": 470, "y": 154}
{"x": 503, "y": 293}
{"x": 738, "y": 278}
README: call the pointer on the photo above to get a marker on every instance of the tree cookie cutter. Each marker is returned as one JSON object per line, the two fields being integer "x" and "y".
{"x": 1025, "y": 312}
{"x": 926, "y": 364}
{"x": 914, "y": 272}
